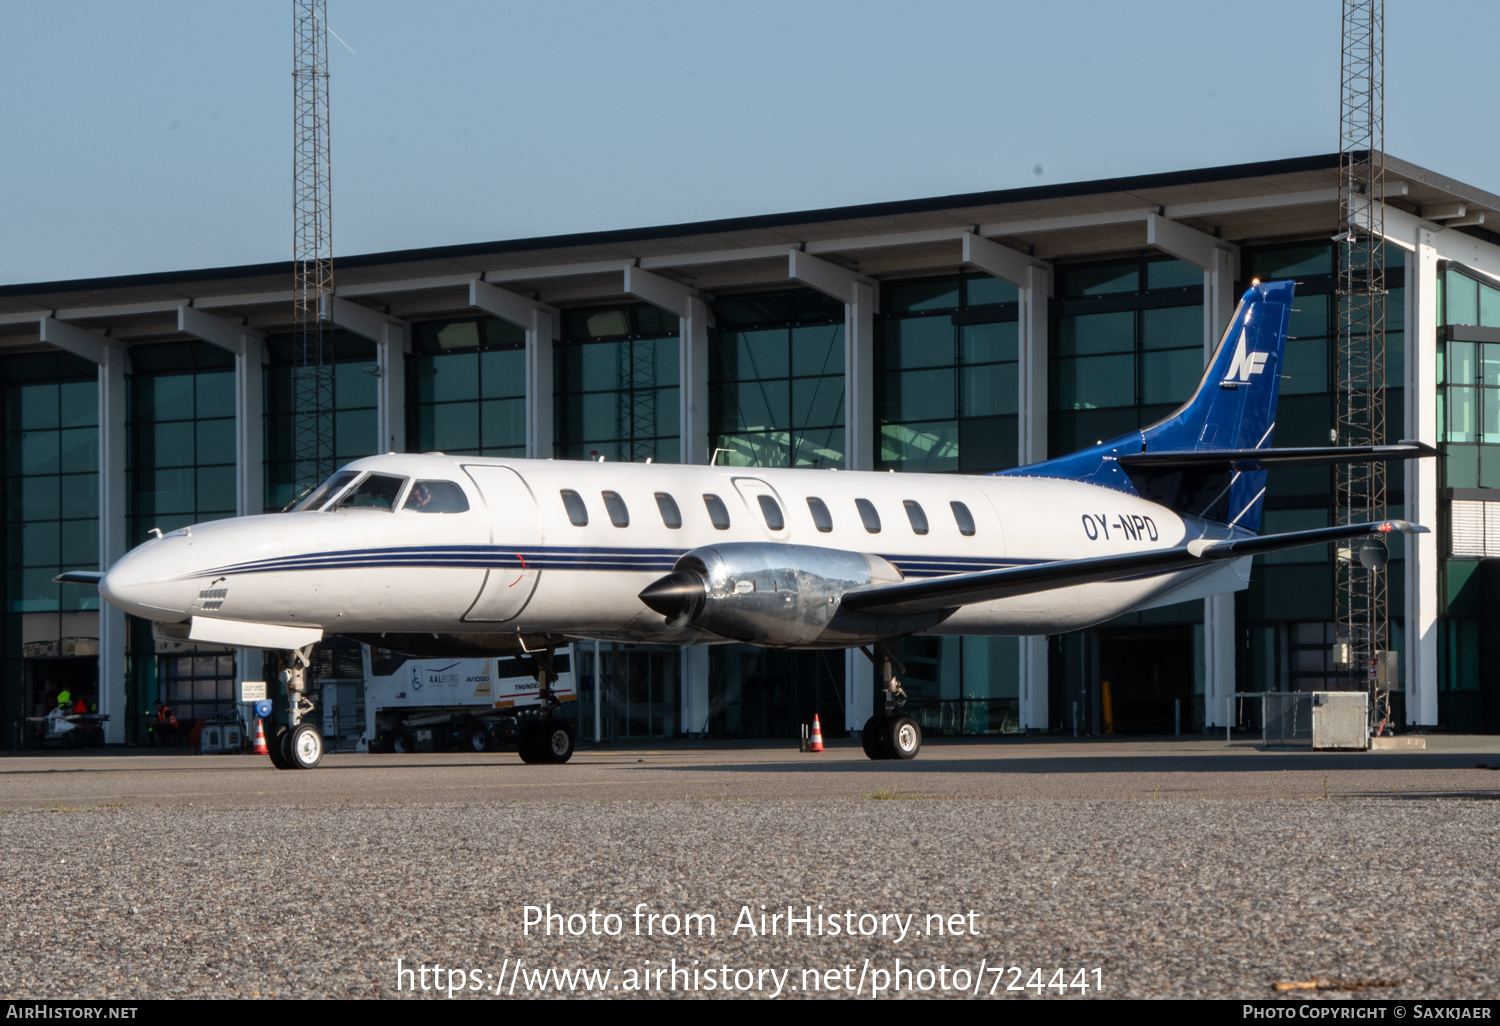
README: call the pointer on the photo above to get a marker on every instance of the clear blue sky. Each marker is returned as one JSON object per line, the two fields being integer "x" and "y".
{"x": 157, "y": 136}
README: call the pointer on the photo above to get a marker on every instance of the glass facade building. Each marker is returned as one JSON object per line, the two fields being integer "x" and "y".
{"x": 964, "y": 335}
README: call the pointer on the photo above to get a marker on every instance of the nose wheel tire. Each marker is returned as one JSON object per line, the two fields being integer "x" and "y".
{"x": 305, "y": 746}
{"x": 872, "y": 738}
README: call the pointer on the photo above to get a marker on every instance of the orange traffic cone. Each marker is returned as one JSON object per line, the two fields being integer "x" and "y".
{"x": 817, "y": 736}
{"x": 259, "y": 747}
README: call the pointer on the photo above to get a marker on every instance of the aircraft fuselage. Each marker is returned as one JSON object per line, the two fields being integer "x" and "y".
{"x": 564, "y": 548}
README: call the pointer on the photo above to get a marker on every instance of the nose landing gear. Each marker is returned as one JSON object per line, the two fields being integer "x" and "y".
{"x": 298, "y": 744}
{"x": 545, "y": 738}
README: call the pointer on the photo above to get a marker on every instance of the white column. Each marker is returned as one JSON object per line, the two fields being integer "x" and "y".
{"x": 1031, "y": 441}
{"x": 1218, "y": 610}
{"x": 859, "y": 689}
{"x": 859, "y": 379}
{"x": 1422, "y": 555}
{"x": 695, "y": 707}
{"x": 390, "y": 405}
{"x": 1034, "y": 682}
{"x": 249, "y": 428}
{"x": 692, "y": 375}
{"x": 249, "y": 464}
{"x": 113, "y": 505}
{"x": 539, "y": 385}
{"x": 1031, "y": 339}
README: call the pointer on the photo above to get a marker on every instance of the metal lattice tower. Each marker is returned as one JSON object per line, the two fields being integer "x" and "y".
{"x": 312, "y": 246}
{"x": 1362, "y": 615}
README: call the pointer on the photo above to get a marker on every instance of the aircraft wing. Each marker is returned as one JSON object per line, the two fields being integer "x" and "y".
{"x": 1263, "y": 459}
{"x": 988, "y": 585}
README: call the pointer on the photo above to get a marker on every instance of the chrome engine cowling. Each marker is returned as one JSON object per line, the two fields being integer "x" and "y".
{"x": 783, "y": 596}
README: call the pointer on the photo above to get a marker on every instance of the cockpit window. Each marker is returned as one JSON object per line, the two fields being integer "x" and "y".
{"x": 328, "y": 489}
{"x": 436, "y": 497}
{"x": 378, "y": 491}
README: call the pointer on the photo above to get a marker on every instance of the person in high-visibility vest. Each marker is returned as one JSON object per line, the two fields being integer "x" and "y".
{"x": 164, "y": 720}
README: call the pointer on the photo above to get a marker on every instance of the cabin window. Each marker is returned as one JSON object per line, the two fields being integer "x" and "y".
{"x": 963, "y": 518}
{"x": 771, "y": 510}
{"x": 618, "y": 514}
{"x": 578, "y": 513}
{"x": 822, "y": 520}
{"x": 670, "y": 514}
{"x": 867, "y": 515}
{"x": 325, "y": 491}
{"x": 718, "y": 513}
{"x": 378, "y": 491}
{"x": 436, "y": 497}
{"x": 917, "y": 517}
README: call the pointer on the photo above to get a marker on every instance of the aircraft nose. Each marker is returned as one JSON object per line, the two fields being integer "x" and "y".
{"x": 143, "y": 583}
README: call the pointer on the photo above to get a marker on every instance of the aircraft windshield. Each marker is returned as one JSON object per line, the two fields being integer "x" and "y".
{"x": 325, "y": 491}
{"x": 378, "y": 491}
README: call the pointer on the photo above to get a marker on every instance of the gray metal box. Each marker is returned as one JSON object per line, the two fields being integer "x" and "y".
{"x": 1340, "y": 719}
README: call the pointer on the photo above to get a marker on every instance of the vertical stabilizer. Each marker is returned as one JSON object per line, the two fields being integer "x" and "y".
{"x": 1234, "y": 407}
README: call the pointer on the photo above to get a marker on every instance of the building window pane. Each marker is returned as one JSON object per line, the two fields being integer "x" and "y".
{"x": 1088, "y": 334}
{"x": 1170, "y": 377}
{"x": 1101, "y": 381}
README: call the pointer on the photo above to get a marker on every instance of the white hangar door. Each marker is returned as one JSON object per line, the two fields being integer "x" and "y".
{"x": 516, "y": 537}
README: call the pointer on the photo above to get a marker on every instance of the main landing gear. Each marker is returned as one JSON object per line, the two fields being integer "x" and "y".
{"x": 545, "y": 738}
{"x": 890, "y": 733}
{"x": 299, "y": 743}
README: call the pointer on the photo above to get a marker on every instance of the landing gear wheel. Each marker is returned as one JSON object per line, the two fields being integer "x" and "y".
{"x": 277, "y": 748}
{"x": 555, "y": 742}
{"x": 402, "y": 743}
{"x": 902, "y": 737}
{"x": 527, "y": 745}
{"x": 873, "y": 738}
{"x": 305, "y": 746}
{"x": 479, "y": 738}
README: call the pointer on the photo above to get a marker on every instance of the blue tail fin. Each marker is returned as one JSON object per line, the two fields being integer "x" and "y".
{"x": 1234, "y": 407}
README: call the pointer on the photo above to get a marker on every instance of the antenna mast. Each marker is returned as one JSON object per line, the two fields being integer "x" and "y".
{"x": 1362, "y": 612}
{"x": 312, "y": 246}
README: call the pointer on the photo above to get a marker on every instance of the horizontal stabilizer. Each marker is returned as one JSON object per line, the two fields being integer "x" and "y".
{"x": 1171, "y": 460}
{"x": 934, "y": 593}
{"x": 79, "y": 577}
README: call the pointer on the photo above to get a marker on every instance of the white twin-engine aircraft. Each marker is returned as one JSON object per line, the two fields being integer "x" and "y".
{"x": 461, "y": 555}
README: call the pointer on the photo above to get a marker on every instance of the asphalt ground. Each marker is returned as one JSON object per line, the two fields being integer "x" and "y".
{"x": 1167, "y": 868}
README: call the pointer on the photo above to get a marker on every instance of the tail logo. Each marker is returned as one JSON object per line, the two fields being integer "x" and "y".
{"x": 1245, "y": 365}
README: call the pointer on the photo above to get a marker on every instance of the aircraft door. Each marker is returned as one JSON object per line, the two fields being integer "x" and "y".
{"x": 516, "y": 534}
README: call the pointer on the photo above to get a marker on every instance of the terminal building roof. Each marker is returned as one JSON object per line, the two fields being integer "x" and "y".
{"x": 1245, "y": 203}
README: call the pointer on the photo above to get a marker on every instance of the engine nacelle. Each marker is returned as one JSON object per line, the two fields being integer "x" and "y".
{"x": 783, "y": 596}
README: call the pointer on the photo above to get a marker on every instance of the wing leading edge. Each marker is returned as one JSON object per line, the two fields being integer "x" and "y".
{"x": 936, "y": 593}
